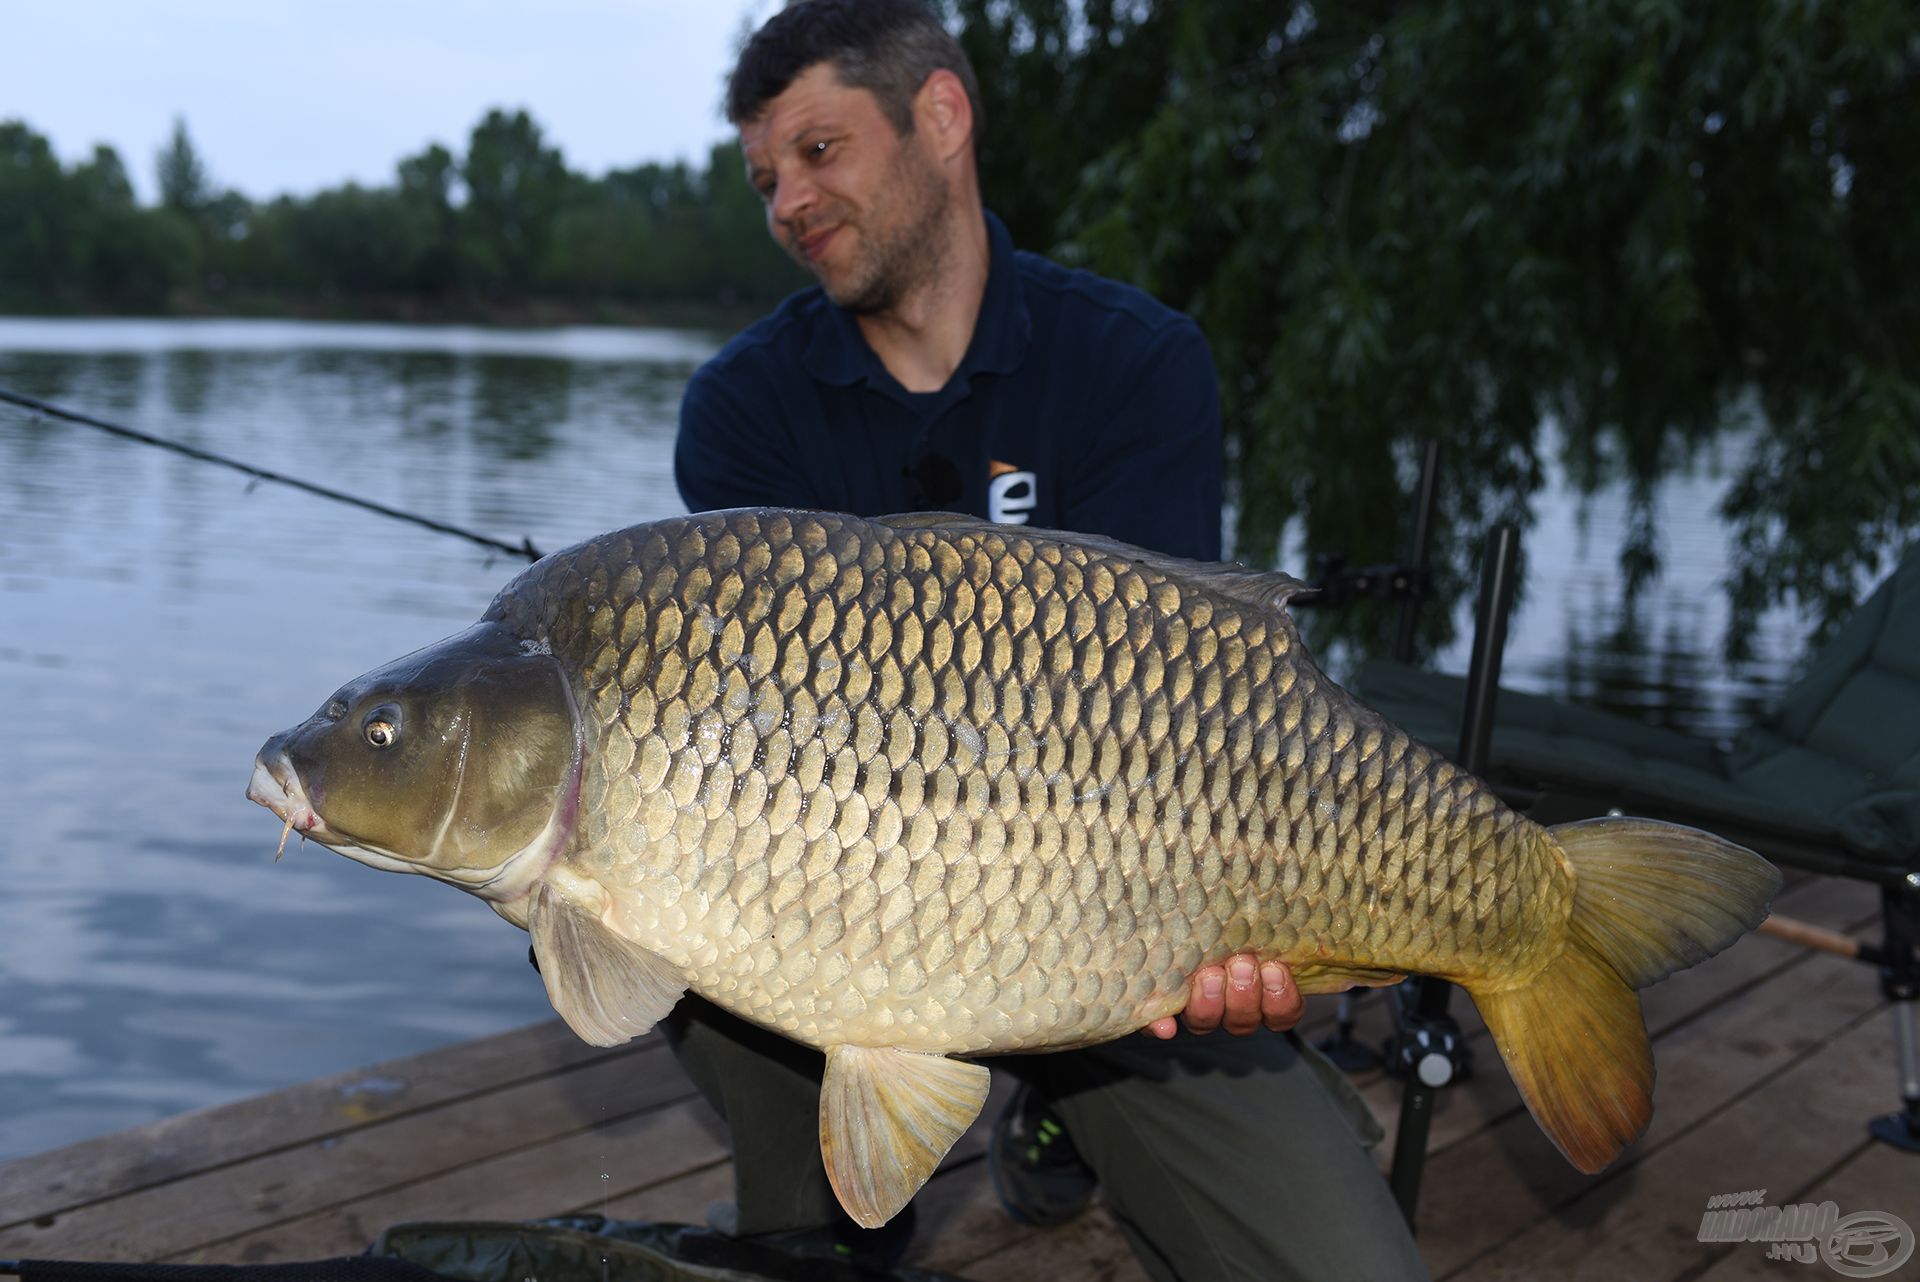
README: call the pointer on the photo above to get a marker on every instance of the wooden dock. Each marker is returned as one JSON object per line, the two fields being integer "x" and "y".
{"x": 1770, "y": 1059}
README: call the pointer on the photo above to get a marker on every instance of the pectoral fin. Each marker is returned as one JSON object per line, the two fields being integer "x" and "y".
{"x": 1326, "y": 977}
{"x": 607, "y": 989}
{"x": 887, "y": 1117}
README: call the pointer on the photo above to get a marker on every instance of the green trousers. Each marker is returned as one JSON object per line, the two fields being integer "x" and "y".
{"x": 1223, "y": 1158}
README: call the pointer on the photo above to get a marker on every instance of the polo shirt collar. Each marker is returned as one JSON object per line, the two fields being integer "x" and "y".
{"x": 839, "y": 354}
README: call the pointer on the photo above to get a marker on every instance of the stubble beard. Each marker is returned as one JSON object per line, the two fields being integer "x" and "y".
{"x": 903, "y": 238}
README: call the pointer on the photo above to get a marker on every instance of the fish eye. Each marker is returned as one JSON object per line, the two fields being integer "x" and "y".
{"x": 382, "y": 727}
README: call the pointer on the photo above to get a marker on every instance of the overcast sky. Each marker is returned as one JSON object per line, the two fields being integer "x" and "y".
{"x": 285, "y": 97}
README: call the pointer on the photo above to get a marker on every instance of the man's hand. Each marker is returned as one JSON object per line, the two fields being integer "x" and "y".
{"x": 1241, "y": 996}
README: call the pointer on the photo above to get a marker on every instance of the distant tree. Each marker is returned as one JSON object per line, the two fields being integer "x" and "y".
{"x": 430, "y": 177}
{"x": 428, "y": 183}
{"x": 33, "y": 241}
{"x": 101, "y": 180}
{"x": 184, "y": 184}
{"x": 213, "y": 218}
{"x": 515, "y": 186}
{"x": 114, "y": 255}
{"x": 353, "y": 240}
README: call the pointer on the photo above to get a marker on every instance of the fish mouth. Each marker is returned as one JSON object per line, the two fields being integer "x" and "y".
{"x": 277, "y": 786}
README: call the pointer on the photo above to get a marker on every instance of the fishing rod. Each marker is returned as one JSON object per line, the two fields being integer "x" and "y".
{"x": 525, "y": 547}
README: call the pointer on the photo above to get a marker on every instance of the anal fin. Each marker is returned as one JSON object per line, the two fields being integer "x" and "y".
{"x": 1315, "y": 978}
{"x": 608, "y": 989}
{"x": 887, "y": 1117}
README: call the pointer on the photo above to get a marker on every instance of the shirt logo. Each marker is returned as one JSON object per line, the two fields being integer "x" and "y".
{"x": 1011, "y": 494}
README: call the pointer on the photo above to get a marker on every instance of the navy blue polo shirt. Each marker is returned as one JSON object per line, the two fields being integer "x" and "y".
{"x": 1082, "y": 404}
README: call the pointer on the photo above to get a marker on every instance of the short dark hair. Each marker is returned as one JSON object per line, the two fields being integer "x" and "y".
{"x": 887, "y": 47}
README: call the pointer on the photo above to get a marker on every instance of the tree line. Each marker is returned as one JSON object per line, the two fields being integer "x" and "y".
{"x": 505, "y": 222}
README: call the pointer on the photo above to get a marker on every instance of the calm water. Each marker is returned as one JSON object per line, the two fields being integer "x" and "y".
{"x": 160, "y": 617}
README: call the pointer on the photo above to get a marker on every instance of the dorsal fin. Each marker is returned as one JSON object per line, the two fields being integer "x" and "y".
{"x": 1262, "y": 589}
{"x": 929, "y": 520}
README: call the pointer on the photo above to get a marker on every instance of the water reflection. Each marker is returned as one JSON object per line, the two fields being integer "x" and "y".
{"x": 427, "y": 384}
{"x": 189, "y": 377}
{"x": 1666, "y": 675}
{"x": 517, "y": 403}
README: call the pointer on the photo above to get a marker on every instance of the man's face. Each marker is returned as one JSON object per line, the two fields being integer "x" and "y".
{"x": 857, "y": 204}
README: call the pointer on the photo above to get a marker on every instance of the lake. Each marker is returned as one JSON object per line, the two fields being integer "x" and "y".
{"x": 159, "y": 617}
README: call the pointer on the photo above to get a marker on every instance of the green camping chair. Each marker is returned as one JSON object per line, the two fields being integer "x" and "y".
{"x": 1828, "y": 781}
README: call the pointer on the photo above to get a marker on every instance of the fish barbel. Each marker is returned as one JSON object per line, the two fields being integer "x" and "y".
{"x": 925, "y": 787}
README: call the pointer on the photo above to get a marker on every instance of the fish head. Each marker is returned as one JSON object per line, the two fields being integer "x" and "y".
{"x": 460, "y": 761}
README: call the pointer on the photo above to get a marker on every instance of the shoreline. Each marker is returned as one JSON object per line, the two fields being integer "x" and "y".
{"x": 728, "y": 316}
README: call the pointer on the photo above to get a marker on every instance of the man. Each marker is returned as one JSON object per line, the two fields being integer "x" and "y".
{"x": 936, "y": 368}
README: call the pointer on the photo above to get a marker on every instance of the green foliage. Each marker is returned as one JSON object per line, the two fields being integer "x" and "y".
{"x": 1618, "y": 225}
{"x": 184, "y": 185}
{"x": 668, "y": 231}
{"x": 1061, "y": 83}
{"x": 32, "y": 193}
{"x": 515, "y": 186}
{"x": 507, "y": 221}
{"x": 72, "y": 235}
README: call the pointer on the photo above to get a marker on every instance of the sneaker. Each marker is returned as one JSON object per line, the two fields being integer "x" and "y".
{"x": 842, "y": 1241}
{"x": 1036, "y": 1169}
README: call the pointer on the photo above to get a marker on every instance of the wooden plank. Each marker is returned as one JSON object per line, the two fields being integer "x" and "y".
{"x": 1877, "y": 1177}
{"x": 51, "y": 1183}
{"x": 1086, "y": 1248}
{"x": 573, "y": 1173}
{"x": 1552, "y": 1220}
{"x": 961, "y": 1221}
{"x": 960, "y": 1218}
{"x": 1800, "y": 1121}
{"x": 174, "y": 1217}
{"x": 681, "y": 1200}
{"x": 644, "y": 1159}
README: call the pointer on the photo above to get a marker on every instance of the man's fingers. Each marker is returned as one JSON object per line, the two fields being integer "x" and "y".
{"x": 1281, "y": 1004}
{"x": 1206, "y": 997}
{"x": 1242, "y": 996}
{"x": 1243, "y": 1012}
{"x": 1164, "y": 1028}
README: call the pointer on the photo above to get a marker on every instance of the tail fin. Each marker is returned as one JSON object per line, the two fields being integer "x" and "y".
{"x": 1649, "y": 898}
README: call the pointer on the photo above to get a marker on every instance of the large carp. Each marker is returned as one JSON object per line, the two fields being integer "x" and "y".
{"x": 925, "y": 786}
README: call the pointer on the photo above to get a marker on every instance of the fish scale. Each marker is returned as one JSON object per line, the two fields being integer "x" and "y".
{"x": 984, "y": 688}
